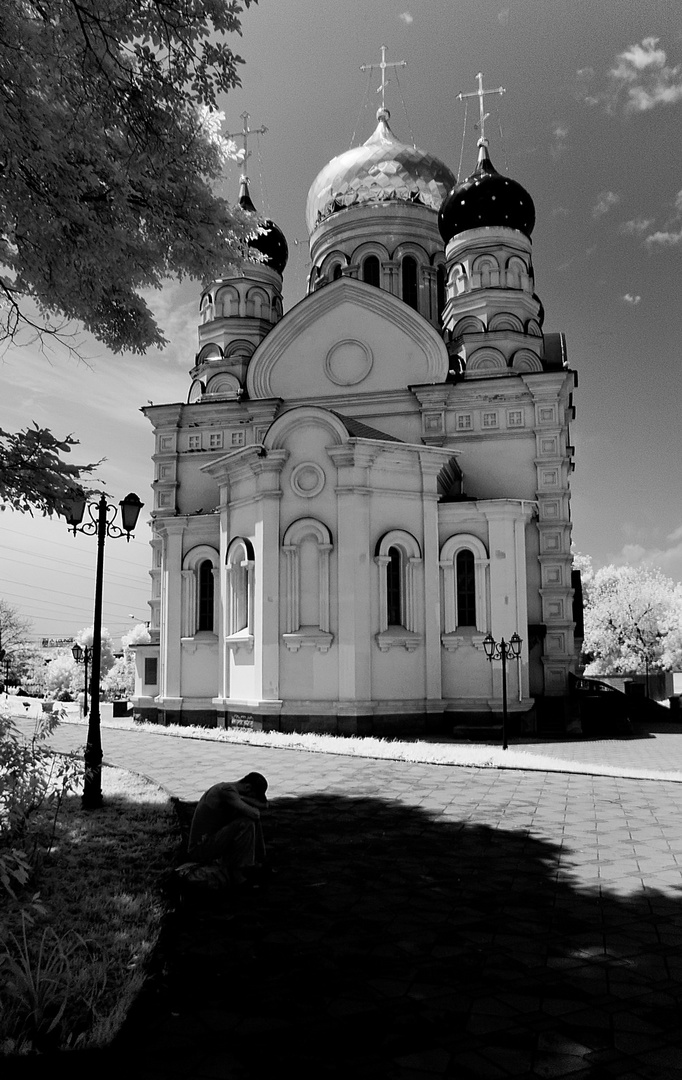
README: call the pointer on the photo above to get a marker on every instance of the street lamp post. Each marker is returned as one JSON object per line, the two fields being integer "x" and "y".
{"x": 101, "y": 524}
{"x": 503, "y": 650}
{"x": 83, "y": 656}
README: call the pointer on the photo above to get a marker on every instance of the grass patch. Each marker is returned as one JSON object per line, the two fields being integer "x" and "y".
{"x": 74, "y": 957}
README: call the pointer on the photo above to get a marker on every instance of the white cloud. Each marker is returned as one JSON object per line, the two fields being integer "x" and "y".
{"x": 671, "y": 235}
{"x": 664, "y": 239}
{"x": 667, "y": 555}
{"x": 636, "y": 226}
{"x": 558, "y": 146}
{"x": 605, "y": 200}
{"x": 640, "y": 80}
{"x": 406, "y": 18}
{"x": 630, "y": 298}
{"x": 503, "y": 17}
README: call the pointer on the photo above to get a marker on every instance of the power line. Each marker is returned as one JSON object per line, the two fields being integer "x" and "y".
{"x": 66, "y": 573}
{"x": 64, "y": 544}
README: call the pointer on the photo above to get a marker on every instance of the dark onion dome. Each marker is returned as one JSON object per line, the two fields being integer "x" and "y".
{"x": 271, "y": 243}
{"x": 381, "y": 170}
{"x": 486, "y": 199}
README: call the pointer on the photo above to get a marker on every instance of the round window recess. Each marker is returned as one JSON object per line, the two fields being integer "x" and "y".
{"x": 348, "y": 362}
{"x": 307, "y": 479}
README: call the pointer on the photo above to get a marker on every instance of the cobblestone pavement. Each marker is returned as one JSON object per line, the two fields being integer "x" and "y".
{"x": 424, "y": 921}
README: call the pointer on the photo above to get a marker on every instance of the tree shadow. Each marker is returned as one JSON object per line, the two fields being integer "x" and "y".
{"x": 397, "y": 943}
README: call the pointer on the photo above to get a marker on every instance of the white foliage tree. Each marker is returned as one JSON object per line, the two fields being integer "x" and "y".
{"x": 633, "y": 619}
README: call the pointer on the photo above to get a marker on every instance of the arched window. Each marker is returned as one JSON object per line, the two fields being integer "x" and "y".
{"x": 206, "y": 592}
{"x": 398, "y": 555}
{"x": 336, "y": 272}
{"x": 394, "y": 574}
{"x": 198, "y": 594}
{"x": 440, "y": 289}
{"x": 307, "y": 547}
{"x": 409, "y": 276}
{"x": 239, "y": 567}
{"x": 466, "y": 588}
{"x": 371, "y": 271}
{"x": 464, "y": 563}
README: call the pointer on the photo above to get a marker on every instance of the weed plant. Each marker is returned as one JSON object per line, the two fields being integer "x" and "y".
{"x": 80, "y": 897}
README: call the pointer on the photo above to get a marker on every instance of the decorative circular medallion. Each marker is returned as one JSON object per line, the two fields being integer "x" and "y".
{"x": 348, "y": 362}
{"x": 307, "y": 479}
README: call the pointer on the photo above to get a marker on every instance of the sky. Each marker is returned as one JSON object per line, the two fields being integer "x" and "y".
{"x": 590, "y": 124}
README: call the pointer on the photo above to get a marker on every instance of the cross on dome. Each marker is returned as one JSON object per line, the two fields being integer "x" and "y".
{"x": 480, "y": 94}
{"x": 244, "y": 135}
{"x": 384, "y": 81}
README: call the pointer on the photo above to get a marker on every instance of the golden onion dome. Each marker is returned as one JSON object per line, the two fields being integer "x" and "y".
{"x": 381, "y": 170}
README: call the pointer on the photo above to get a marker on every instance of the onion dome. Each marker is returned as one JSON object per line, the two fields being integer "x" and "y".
{"x": 271, "y": 242}
{"x": 486, "y": 199}
{"x": 380, "y": 170}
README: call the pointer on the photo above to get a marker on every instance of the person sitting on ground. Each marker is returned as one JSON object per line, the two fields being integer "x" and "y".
{"x": 226, "y": 827}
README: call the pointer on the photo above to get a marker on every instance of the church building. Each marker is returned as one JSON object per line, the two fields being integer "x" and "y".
{"x": 359, "y": 490}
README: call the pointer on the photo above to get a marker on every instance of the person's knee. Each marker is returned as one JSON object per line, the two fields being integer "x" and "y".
{"x": 245, "y": 829}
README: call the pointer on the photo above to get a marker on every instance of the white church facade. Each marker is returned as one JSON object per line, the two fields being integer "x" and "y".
{"x": 357, "y": 491}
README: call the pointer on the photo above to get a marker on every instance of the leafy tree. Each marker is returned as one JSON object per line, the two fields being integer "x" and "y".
{"x": 633, "y": 619}
{"x": 109, "y": 146}
{"x": 121, "y": 677}
{"x": 64, "y": 675}
{"x": 14, "y": 628}
{"x": 33, "y": 474}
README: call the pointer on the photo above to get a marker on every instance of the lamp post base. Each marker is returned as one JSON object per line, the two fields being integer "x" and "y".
{"x": 92, "y": 798}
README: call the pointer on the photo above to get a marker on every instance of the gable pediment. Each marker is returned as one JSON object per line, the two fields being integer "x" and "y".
{"x": 348, "y": 336}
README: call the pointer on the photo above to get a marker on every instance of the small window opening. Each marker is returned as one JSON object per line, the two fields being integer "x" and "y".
{"x": 440, "y": 289}
{"x": 371, "y": 271}
{"x": 410, "y": 289}
{"x": 205, "y": 612}
{"x": 393, "y": 587}
{"x": 466, "y": 589}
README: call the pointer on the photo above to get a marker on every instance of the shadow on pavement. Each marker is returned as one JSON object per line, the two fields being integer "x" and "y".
{"x": 396, "y": 943}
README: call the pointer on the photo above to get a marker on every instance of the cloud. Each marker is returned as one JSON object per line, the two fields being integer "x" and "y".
{"x": 664, "y": 239}
{"x": 636, "y": 226}
{"x": 671, "y": 234}
{"x": 630, "y": 299}
{"x": 605, "y": 200}
{"x": 406, "y": 18}
{"x": 640, "y": 80}
{"x": 667, "y": 555}
{"x": 558, "y": 146}
{"x": 503, "y": 17}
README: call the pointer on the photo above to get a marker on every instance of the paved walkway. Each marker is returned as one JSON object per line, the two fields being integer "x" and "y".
{"x": 425, "y": 922}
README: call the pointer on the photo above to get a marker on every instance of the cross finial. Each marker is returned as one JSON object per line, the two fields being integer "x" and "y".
{"x": 384, "y": 81}
{"x": 244, "y": 135}
{"x": 480, "y": 94}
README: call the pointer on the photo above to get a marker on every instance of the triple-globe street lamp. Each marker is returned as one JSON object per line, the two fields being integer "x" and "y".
{"x": 101, "y": 524}
{"x": 503, "y": 650}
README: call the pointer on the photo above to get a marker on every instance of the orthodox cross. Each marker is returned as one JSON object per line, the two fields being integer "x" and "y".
{"x": 480, "y": 94}
{"x": 244, "y": 134}
{"x": 384, "y": 81}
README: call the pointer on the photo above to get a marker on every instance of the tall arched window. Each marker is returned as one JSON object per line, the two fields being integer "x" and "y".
{"x": 398, "y": 555}
{"x": 466, "y": 588}
{"x": 440, "y": 289}
{"x": 307, "y": 548}
{"x": 205, "y": 603}
{"x": 464, "y": 564}
{"x": 239, "y": 567}
{"x": 199, "y": 572}
{"x": 409, "y": 276}
{"x": 394, "y": 574}
{"x": 371, "y": 271}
